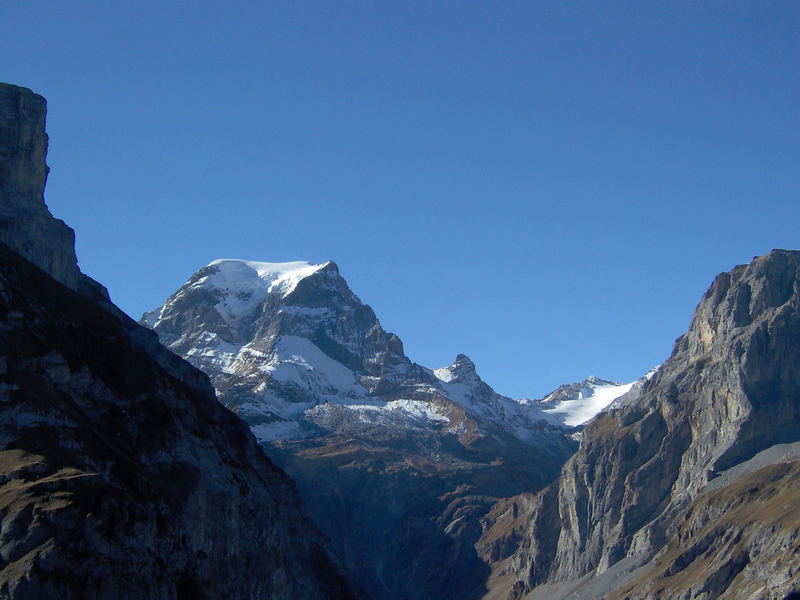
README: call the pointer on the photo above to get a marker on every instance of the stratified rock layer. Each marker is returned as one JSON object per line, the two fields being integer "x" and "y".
{"x": 667, "y": 482}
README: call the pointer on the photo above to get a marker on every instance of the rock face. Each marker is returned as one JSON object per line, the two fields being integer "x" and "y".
{"x": 121, "y": 476}
{"x": 397, "y": 462}
{"x": 25, "y": 223}
{"x": 685, "y": 488}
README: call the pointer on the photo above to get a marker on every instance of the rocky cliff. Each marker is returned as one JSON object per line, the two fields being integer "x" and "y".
{"x": 26, "y": 224}
{"x": 685, "y": 488}
{"x": 121, "y": 476}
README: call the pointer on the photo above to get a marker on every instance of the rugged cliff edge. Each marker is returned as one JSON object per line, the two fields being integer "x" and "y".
{"x": 121, "y": 476}
{"x": 26, "y": 224}
{"x": 687, "y": 487}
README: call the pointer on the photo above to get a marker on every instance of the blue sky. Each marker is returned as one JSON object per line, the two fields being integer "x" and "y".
{"x": 548, "y": 187}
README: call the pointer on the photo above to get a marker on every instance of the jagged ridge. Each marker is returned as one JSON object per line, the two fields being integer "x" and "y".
{"x": 729, "y": 390}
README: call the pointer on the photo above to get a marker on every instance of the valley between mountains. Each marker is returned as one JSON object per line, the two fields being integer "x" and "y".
{"x": 397, "y": 463}
{"x": 260, "y": 435}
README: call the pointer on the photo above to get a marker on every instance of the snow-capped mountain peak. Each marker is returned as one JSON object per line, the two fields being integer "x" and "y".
{"x": 241, "y": 286}
{"x": 277, "y": 278}
{"x": 293, "y": 351}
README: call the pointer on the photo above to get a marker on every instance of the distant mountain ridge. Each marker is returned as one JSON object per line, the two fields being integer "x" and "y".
{"x": 336, "y": 402}
{"x": 577, "y": 403}
{"x": 304, "y": 341}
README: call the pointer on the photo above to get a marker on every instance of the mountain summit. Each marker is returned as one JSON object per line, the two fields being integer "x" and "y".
{"x": 397, "y": 462}
{"x": 294, "y": 352}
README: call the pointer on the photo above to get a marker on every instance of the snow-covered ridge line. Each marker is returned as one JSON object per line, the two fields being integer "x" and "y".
{"x": 245, "y": 284}
{"x": 279, "y": 277}
{"x": 586, "y": 402}
{"x": 286, "y": 353}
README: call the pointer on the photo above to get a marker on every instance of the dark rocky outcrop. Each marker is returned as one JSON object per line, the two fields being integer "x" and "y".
{"x": 657, "y": 502}
{"x": 121, "y": 476}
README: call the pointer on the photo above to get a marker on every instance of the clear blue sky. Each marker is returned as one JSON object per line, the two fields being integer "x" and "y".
{"x": 548, "y": 187}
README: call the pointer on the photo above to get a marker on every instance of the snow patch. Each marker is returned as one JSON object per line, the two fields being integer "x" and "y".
{"x": 279, "y": 278}
{"x": 444, "y": 374}
{"x": 415, "y": 409}
{"x": 213, "y": 349}
{"x": 299, "y": 361}
{"x": 245, "y": 284}
{"x": 591, "y": 399}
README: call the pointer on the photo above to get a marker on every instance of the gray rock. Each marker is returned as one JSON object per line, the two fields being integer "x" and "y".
{"x": 26, "y": 224}
{"x": 639, "y": 481}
